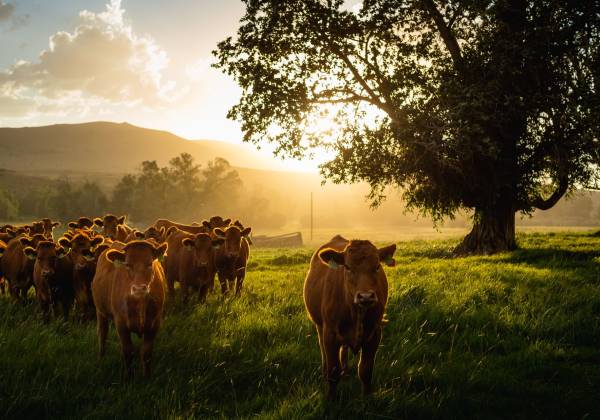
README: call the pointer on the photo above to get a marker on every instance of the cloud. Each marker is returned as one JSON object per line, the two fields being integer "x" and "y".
{"x": 102, "y": 60}
{"x": 6, "y": 11}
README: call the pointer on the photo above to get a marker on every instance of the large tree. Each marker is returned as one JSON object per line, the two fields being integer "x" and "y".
{"x": 490, "y": 106}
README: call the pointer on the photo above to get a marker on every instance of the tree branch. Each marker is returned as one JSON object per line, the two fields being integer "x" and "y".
{"x": 561, "y": 189}
{"x": 445, "y": 32}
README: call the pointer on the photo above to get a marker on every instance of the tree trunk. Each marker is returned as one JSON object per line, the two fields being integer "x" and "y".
{"x": 493, "y": 231}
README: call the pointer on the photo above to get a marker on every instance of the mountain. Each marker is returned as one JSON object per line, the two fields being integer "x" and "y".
{"x": 111, "y": 148}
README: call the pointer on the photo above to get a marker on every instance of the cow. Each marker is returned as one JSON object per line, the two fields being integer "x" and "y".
{"x": 232, "y": 257}
{"x": 52, "y": 278}
{"x": 205, "y": 227}
{"x": 83, "y": 268}
{"x": 113, "y": 227}
{"x": 49, "y": 226}
{"x": 197, "y": 267}
{"x": 16, "y": 267}
{"x": 152, "y": 233}
{"x": 81, "y": 223}
{"x": 345, "y": 295}
{"x": 36, "y": 228}
{"x": 175, "y": 239}
{"x": 129, "y": 289}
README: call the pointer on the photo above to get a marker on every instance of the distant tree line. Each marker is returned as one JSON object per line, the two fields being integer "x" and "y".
{"x": 182, "y": 190}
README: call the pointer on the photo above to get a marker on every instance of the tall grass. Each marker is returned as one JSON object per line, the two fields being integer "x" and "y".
{"x": 516, "y": 335}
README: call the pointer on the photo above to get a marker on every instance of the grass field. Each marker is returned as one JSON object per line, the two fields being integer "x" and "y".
{"x": 515, "y": 335}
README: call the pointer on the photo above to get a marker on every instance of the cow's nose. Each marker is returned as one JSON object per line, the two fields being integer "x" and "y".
{"x": 202, "y": 264}
{"x": 365, "y": 298}
{"x": 139, "y": 289}
{"x": 47, "y": 273}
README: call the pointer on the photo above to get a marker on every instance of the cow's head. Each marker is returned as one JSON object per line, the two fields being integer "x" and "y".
{"x": 82, "y": 223}
{"x": 46, "y": 256}
{"x": 82, "y": 248}
{"x": 232, "y": 237}
{"x": 216, "y": 222}
{"x": 203, "y": 247}
{"x": 137, "y": 258}
{"x": 36, "y": 227}
{"x": 361, "y": 262}
{"x": 49, "y": 226}
{"x": 31, "y": 241}
{"x": 109, "y": 225}
{"x": 152, "y": 233}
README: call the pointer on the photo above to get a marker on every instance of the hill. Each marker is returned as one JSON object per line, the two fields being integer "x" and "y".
{"x": 108, "y": 148}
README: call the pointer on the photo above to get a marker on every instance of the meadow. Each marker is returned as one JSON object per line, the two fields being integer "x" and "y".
{"x": 515, "y": 335}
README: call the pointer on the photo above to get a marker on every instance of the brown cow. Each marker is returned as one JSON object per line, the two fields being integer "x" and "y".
{"x": 197, "y": 264}
{"x": 82, "y": 223}
{"x": 83, "y": 263}
{"x": 175, "y": 239}
{"x": 345, "y": 294}
{"x": 51, "y": 277}
{"x": 49, "y": 226}
{"x": 232, "y": 257}
{"x": 17, "y": 268}
{"x": 152, "y": 233}
{"x": 205, "y": 227}
{"x": 129, "y": 289}
{"x": 113, "y": 227}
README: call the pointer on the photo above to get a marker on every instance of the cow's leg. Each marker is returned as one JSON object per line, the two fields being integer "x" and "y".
{"x": 44, "y": 304}
{"x": 240, "y": 281}
{"x": 367, "y": 360}
{"x": 223, "y": 282}
{"x": 184, "y": 290}
{"x": 146, "y": 352}
{"x": 344, "y": 360}
{"x": 322, "y": 348}
{"x": 202, "y": 292}
{"x": 332, "y": 355}
{"x": 102, "y": 332}
{"x": 126, "y": 349}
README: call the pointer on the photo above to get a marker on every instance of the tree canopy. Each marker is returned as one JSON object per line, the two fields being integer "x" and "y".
{"x": 490, "y": 106}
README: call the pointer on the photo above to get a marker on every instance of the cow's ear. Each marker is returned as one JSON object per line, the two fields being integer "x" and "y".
{"x": 30, "y": 253}
{"x": 170, "y": 231}
{"x": 64, "y": 242}
{"x": 386, "y": 255}
{"x": 188, "y": 243}
{"x": 138, "y": 234}
{"x": 62, "y": 252}
{"x": 332, "y": 258}
{"x": 217, "y": 242}
{"x": 97, "y": 241}
{"x": 159, "y": 252}
{"x": 26, "y": 242}
{"x": 72, "y": 225}
{"x": 116, "y": 257}
{"x": 206, "y": 224}
{"x": 246, "y": 231}
{"x": 121, "y": 220}
{"x": 55, "y": 224}
{"x": 98, "y": 222}
{"x": 162, "y": 231}
{"x": 219, "y": 232}
{"x": 226, "y": 222}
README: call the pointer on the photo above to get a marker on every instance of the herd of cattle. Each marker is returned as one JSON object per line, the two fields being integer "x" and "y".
{"x": 108, "y": 269}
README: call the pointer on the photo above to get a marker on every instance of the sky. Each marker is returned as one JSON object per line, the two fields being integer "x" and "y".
{"x": 146, "y": 62}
